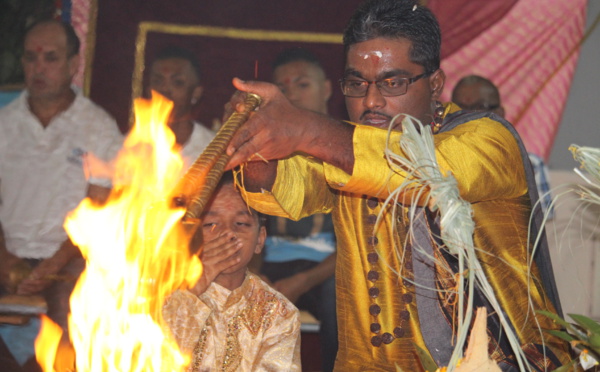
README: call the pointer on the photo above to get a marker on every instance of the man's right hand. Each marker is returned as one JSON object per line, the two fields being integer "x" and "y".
{"x": 278, "y": 129}
{"x": 274, "y": 131}
{"x": 217, "y": 255}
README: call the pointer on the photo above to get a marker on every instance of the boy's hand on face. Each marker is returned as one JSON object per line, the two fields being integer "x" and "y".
{"x": 217, "y": 255}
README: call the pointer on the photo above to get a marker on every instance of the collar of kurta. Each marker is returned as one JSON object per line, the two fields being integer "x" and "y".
{"x": 219, "y": 297}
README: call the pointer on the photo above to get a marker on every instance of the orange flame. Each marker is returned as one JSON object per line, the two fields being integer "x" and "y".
{"x": 46, "y": 344}
{"x": 136, "y": 253}
{"x": 53, "y": 351}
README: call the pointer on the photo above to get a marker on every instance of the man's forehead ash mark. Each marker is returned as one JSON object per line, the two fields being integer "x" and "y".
{"x": 374, "y": 56}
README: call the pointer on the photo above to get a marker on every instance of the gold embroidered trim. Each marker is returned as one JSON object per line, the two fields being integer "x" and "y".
{"x": 257, "y": 316}
{"x": 260, "y": 315}
{"x": 200, "y": 348}
{"x": 233, "y": 353}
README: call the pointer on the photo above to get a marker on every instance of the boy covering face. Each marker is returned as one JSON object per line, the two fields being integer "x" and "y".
{"x": 231, "y": 319}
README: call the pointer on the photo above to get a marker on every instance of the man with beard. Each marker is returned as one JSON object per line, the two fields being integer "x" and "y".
{"x": 384, "y": 309}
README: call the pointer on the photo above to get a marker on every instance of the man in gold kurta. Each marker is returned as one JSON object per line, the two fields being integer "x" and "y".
{"x": 392, "y": 67}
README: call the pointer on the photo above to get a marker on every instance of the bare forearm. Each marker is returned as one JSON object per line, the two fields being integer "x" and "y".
{"x": 321, "y": 272}
{"x": 7, "y": 259}
{"x": 3, "y": 250}
{"x": 43, "y": 274}
{"x": 98, "y": 194}
{"x": 8, "y": 265}
{"x": 65, "y": 253}
{"x": 298, "y": 284}
{"x": 330, "y": 141}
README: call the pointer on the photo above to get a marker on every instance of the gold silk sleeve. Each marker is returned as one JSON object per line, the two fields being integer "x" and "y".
{"x": 470, "y": 150}
{"x": 300, "y": 190}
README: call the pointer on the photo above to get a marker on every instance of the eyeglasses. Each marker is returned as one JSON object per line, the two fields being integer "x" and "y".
{"x": 390, "y": 87}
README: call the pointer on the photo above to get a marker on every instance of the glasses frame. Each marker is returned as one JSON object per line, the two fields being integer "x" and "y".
{"x": 378, "y": 82}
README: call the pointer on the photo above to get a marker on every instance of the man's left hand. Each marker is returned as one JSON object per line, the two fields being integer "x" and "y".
{"x": 40, "y": 278}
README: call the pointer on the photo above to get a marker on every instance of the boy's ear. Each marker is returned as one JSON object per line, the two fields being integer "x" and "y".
{"x": 260, "y": 243}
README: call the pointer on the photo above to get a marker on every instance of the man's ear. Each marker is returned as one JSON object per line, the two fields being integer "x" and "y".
{"x": 74, "y": 65}
{"x": 328, "y": 90}
{"x": 436, "y": 83}
{"x": 197, "y": 93}
{"x": 260, "y": 243}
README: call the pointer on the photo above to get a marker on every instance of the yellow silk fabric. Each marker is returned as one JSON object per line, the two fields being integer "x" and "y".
{"x": 485, "y": 159}
{"x": 252, "y": 328}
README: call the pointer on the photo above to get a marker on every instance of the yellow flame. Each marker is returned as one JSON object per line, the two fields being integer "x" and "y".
{"x": 46, "y": 344}
{"x": 136, "y": 253}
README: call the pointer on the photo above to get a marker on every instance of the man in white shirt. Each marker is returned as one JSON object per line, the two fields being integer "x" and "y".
{"x": 46, "y": 135}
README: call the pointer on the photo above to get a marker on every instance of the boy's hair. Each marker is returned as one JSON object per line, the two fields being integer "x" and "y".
{"x": 393, "y": 19}
{"x": 172, "y": 51}
{"x": 228, "y": 178}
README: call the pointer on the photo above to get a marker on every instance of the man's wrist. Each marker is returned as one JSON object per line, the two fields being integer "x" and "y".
{"x": 333, "y": 144}
{"x": 264, "y": 173}
{"x": 313, "y": 133}
{"x": 304, "y": 278}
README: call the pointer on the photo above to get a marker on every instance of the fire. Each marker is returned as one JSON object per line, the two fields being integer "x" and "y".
{"x": 136, "y": 253}
{"x": 46, "y": 344}
{"x": 54, "y": 352}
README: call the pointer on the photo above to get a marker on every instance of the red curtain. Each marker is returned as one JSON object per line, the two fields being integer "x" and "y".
{"x": 530, "y": 54}
{"x": 462, "y": 20}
